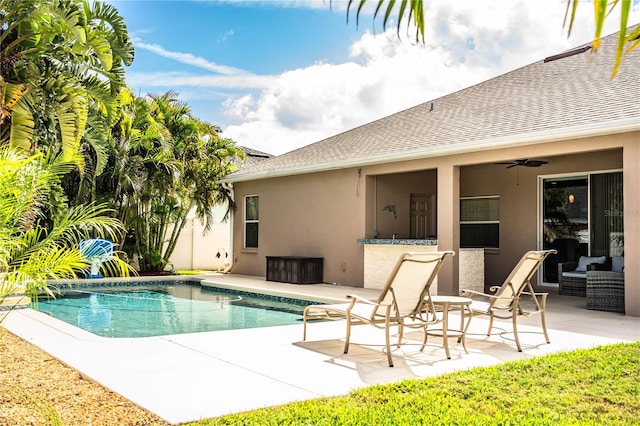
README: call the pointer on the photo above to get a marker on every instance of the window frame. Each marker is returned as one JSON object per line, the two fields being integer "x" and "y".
{"x": 247, "y": 222}
{"x": 480, "y": 222}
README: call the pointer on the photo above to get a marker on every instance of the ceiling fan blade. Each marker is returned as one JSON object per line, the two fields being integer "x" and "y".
{"x": 522, "y": 162}
{"x": 535, "y": 163}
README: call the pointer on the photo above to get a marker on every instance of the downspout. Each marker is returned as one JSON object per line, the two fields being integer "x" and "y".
{"x": 228, "y": 269}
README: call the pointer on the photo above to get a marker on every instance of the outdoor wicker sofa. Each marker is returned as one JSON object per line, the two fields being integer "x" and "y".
{"x": 605, "y": 291}
{"x": 572, "y": 276}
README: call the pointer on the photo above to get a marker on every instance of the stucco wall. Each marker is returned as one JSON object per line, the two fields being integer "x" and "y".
{"x": 307, "y": 215}
{"x": 631, "y": 160}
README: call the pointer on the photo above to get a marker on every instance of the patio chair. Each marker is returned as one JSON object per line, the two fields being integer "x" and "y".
{"x": 605, "y": 291}
{"x": 402, "y": 299}
{"x": 97, "y": 251}
{"x": 505, "y": 303}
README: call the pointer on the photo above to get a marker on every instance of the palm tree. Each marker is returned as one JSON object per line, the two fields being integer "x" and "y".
{"x": 165, "y": 164}
{"x": 35, "y": 247}
{"x": 141, "y": 168}
{"x": 413, "y": 12}
{"x": 61, "y": 59}
{"x": 206, "y": 158}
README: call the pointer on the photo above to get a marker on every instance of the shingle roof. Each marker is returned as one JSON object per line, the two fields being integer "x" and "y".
{"x": 543, "y": 100}
{"x": 253, "y": 156}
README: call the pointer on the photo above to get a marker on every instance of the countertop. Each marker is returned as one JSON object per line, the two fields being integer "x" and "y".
{"x": 399, "y": 241}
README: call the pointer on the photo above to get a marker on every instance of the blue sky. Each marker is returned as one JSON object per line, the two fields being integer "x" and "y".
{"x": 278, "y": 75}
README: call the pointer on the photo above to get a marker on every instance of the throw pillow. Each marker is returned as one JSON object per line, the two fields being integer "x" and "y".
{"x": 617, "y": 263}
{"x": 586, "y": 260}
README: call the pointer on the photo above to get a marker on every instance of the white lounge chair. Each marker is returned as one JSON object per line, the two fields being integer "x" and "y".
{"x": 504, "y": 302}
{"x": 402, "y": 299}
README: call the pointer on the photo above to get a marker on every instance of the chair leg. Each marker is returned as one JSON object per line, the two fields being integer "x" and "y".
{"x": 515, "y": 329}
{"x": 346, "y": 339}
{"x": 400, "y": 333}
{"x": 424, "y": 341}
{"x": 544, "y": 327}
{"x": 490, "y": 324}
{"x": 464, "y": 327}
{"x": 304, "y": 327}
{"x": 388, "y": 340}
{"x": 543, "y": 307}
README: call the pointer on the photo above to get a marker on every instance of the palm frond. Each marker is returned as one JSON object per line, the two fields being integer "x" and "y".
{"x": 602, "y": 9}
{"x": 103, "y": 14}
{"x": 412, "y": 10}
{"x": 16, "y": 109}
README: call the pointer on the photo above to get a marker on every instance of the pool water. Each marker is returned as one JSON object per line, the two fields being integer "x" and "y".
{"x": 157, "y": 310}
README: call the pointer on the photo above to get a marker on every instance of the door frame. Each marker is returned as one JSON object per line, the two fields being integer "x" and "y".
{"x": 540, "y": 208}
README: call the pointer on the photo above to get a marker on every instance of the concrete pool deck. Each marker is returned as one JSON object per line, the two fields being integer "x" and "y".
{"x": 202, "y": 375}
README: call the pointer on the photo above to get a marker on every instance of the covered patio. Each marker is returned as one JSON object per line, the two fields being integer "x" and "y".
{"x": 201, "y": 375}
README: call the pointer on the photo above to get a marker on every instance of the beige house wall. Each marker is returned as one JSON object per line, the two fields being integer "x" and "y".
{"x": 323, "y": 214}
{"x": 631, "y": 182}
{"x": 315, "y": 215}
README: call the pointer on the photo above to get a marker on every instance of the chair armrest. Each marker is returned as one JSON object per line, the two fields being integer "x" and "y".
{"x": 470, "y": 293}
{"x": 467, "y": 291}
{"x": 566, "y": 267}
{"x": 599, "y": 267}
{"x": 528, "y": 293}
{"x": 355, "y": 298}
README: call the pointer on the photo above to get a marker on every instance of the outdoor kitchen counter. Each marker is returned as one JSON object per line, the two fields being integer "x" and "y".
{"x": 381, "y": 254}
{"x": 399, "y": 241}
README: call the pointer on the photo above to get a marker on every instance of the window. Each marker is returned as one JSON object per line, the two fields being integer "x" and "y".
{"x": 251, "y": 216}
{"x": 480, "y": 222}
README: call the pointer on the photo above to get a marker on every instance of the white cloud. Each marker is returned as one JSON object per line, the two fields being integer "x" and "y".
{"x": 468, "y": 41}
{"x": 188, "y": 58}
{"x": 177, "y": 80}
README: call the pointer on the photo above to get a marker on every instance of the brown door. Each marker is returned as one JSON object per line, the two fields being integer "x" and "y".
{"x": 422, "y": 216}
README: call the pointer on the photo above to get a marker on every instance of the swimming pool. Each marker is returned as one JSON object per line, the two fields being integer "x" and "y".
{"x": 168, "y": 307}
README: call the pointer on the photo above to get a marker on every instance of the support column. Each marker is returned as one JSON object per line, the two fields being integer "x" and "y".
{"x": 631, "y": 177}
{"x": 449, "y": 226}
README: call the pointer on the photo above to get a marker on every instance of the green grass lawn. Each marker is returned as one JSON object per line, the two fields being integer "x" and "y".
{"x": 598, "y": 386}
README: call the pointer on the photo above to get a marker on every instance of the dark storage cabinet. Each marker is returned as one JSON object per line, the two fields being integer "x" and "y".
{"x": 294, "y": 269}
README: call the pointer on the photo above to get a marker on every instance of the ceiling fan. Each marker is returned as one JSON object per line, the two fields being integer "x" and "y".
{"x": 524, "y": 162}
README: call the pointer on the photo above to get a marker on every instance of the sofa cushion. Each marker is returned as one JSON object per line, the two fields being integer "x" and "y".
{"x": 617, "y": 263}
{"x": 575, "y": 274}
{"x": 586, "y": 260}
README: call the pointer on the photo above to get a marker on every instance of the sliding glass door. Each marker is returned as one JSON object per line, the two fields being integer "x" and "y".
{"x": 565, "y": 221}
{"x": 582, "y": 216}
